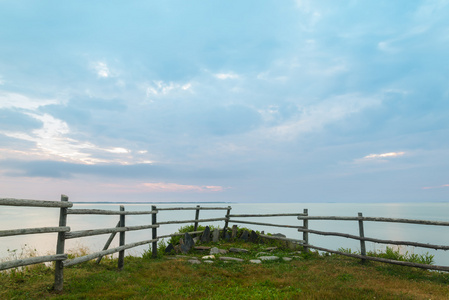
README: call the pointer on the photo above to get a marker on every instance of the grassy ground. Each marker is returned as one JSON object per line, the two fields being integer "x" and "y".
{"x": 309, "y": 277}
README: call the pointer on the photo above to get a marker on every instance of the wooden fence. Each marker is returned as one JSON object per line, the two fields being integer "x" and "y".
{"x": 362, "y": 238}
{"x": 64, "y": 233}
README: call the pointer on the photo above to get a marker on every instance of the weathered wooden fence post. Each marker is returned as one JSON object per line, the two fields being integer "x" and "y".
{"x": 305, "y": 234}
{"x": 362, "y": 236}
{"x": 225, "y": 228}
{"x": 154, "y": 231}
{"x": 197, "y": 216}
{"x": 121, "y": 254}
{"x": 60, "y": 245}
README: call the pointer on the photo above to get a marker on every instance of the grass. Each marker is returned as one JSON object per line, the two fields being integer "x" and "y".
{"x": 310, "y": 276}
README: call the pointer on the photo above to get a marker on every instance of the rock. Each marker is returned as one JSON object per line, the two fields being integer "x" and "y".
{"x": 234, "y": 231}
{"x": 245, "y": 236}
{"x": 215, "y": 250}
{"x": 287, "y": 258}
{"x": 269, "y": 257}
{"x": 194, "y": 261}
{"x": 215, "y": 235}
{"x": 280, "y": 235}
{"x": 208, "y": 261}
{"x": 187, "y": 244}
{"x": 231, "y": 259}
{"x": 255, "y": 261}
{"x": 182, "y": 256}
{"x": 227, "y": 237}
{"x": 208, "y": 257}
{"x": 238, "y": 250}
{"x": 169, "y": 248}
{"x": 253, "y": 237}
{"x": 196, "y": 239}
{"x": 201, "y": 248}
{"x": 205, "y": 237}
{"x": 270, "y": 248}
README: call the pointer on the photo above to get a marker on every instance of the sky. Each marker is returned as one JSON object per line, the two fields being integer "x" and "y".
{"x": 235, "y": 101}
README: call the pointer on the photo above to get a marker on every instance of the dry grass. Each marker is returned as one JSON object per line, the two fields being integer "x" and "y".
{"x": 314, "y": 277}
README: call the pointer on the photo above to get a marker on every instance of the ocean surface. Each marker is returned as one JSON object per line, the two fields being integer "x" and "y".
{"x": 44, "y": 244}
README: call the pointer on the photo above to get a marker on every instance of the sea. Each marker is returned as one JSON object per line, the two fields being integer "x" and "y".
{"x": 17, "y": 217}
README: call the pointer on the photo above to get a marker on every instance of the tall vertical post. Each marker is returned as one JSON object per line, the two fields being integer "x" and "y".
{"x": 225, "y": 228}
{"x": 197, "y": 216}
{"x": 60, "y": 245}
{"x": 305, "y": 234}
{"x": 362, "y": 237}
{"x": 121, "y": 254}
{"x": 154, "y": 231}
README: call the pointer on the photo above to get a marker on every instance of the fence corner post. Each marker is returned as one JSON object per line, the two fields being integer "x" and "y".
{"x": 362, "y": 237}
{"x": 154, "y": 231}
{"x": 60, "y": 248}
{"x": 121, "y": 254}
{"x": 305, "y": 234}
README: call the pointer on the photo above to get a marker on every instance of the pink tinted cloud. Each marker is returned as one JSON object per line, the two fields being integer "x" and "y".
{"x": 435, "y": 187}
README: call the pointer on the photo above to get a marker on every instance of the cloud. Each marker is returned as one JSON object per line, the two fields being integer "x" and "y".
{"x": 52, "y": 141}
{"x": 162, "y": 88}
{"x": 101, "y": 69}
{"x": 19, "y": 101}
{"x": 384, "y": 155}
{"x": 314, "y": 117}
{"x": 224, "y": 76}
{"x": 435, "y": 187}
{"x": 174, "y": 187}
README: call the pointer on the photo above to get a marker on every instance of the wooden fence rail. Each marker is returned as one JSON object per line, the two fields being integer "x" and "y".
{"x": 361, "y": 237}
{"x": 64, "y": 232}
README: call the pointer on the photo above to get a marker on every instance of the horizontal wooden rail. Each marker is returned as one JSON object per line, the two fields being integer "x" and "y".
{"x": 34, "y": 203}
{"x": 269, "y": 215}
{"x": 33, "y": 230}
{"x": 31, "y": 261}
{"x": 180, "y": 234}
{"x": 265, "y": 224}
{"x": 193, "y": 208}
{"x": 191, "y": 221}
{"x": 107, "y": 212}
{"x": 83, "y": 233}
{"x": 85, "y": 258}
{"x": 384, "y": 260}
{"x": 374, "y": 219}
{"x": 368, "y": 239}
{"x": 271, "y": 237}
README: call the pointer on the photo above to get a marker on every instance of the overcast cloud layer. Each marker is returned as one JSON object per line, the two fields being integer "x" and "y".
{"x": 246, "y": 101}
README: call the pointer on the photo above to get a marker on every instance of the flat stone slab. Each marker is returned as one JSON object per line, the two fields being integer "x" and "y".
{"x": 238, "y": 250}
{"x": 269, "y": 257}
{"x": 201, "y": 248}
{"x": 208, "y": 261}
{"x": 215, "y": 250}
{"x": 194, "y": 261}
{"x": 255, "y": 261}
{"x": 270, "y": 248}
{"x": 287, "y": 258}
{"x": 231, "y": 259}
{"x": 208, "y": 257}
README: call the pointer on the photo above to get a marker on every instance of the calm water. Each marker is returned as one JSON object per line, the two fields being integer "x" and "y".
{"x": 19, "y": 217}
